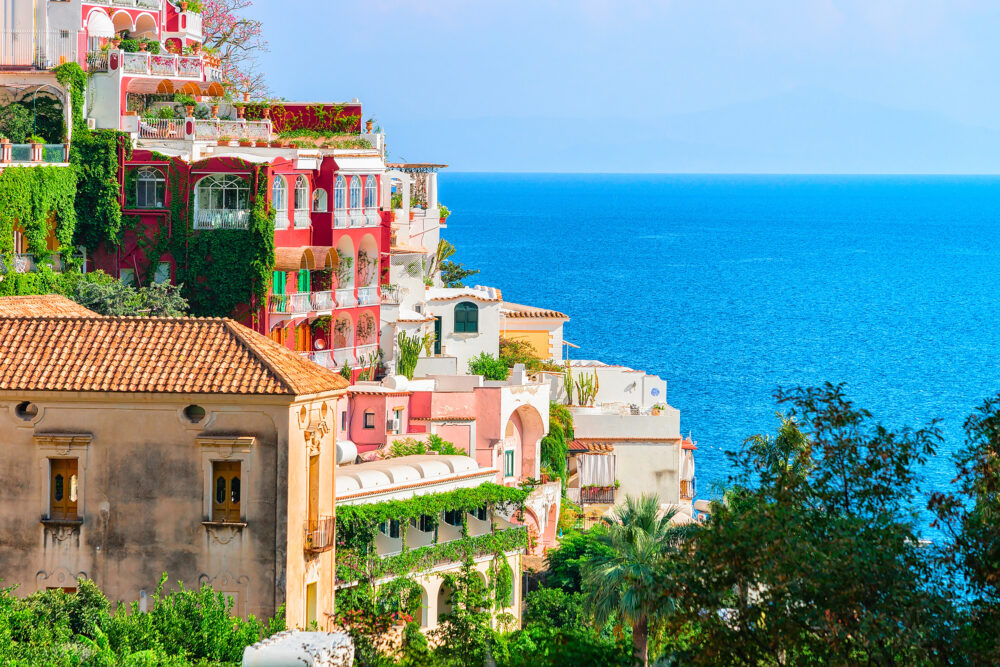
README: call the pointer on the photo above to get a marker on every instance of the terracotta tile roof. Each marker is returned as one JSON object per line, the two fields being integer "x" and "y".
{"x": 518, "y": 310}
{"x": 42, "y": 305}
{"x": 590, "y": 447}
{"x": 152, "y": 354}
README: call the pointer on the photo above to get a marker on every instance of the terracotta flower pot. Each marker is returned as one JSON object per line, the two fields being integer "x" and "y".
{"x": 261, "y": 144}
{"x": 184, "y": 5}
{"x": 276, "y": 144}
{"x": 246, "y": 97}
{"x": 223, "y": 142}
{"x": 189, "y": 108}
{"x": 215, "y": 111}
{"x": 368, "y": 126}
{"x": 241, "y": 112}
{"x": 266, "y": 111}
{"x": 142, "y": 46}
{"x": 245, "y": 143}
{"x": 116, "y": 42}
{"x": 196, "y": 48}
{"x": 411, "y": 215}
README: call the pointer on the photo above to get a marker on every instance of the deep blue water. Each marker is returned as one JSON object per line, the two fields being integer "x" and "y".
{"x": 729, "y": 286}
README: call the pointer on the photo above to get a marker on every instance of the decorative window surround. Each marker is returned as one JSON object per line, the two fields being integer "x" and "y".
{"x": 226, "y": 448}
{"x": 63, "y": 446}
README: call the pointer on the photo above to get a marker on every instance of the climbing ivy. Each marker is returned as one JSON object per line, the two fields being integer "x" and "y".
{"x": 39, "y": 200}
{"x": 47, "y": 281}
{"x": 72, "y": 77}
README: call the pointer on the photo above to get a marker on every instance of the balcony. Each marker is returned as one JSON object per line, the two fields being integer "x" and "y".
{"x": 36, "y": 49}
{"x": 597, "y": 495}
{"x": 366, "y": 351}
{"x": 324, "y": 300}
{"x": 343, "y": 355}
{"x": 294, "y": 303}
{"x": 37, "y": 153}
{"x": 221, "y": 219}
{"x": 391, "y": 294}
{"x": 167, "y": 64}
{"x": 301, "y": 218}
{"x": 161, "y": 129}
{"x": 247, "y": 130}
{"x": 368, "y": 296}
{"x": 345, "y": 298}
{"x": 141, "y": 4}
{"x": 340, "y": 220}
{"x": 319, "y": 534}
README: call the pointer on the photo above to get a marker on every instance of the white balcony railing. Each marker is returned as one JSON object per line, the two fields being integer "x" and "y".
{"x": 357, "y": 219}
{"x": 322, "y": 357}
{"x": 252, "y": 130}
{"x": 390, "y": 294}
{"x": 221, "y": 219}
{"x": 340, "y": 219}
{"x": 144, "y": 4}
{"x": 302, "y": 219}
{"x": 162, "y": 64}
{"x": 39, "y": 49}
{"x": 372, "y": 218}
{"x": 153, "y": 128}
{"x": 345, "y": 298}
{"x": 365, "y": 352}
{"x": 323, "y": 300}
{"x": 343, "y": 355}
{"x": 367, "y": 296}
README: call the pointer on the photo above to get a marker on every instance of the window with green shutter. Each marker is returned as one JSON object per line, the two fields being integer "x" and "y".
{"x": 278, "y": 282}
{"x": 304, "y": 280}
{"x": 466, "y": 317}
{"x": 508, "y": 463}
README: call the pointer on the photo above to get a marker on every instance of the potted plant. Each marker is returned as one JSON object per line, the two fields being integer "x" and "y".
{"x": 275, "y": 143}
{"x": 116, "y": 42}
{"x": 224, "y": 141}
{"x": 241, "y": 110}
{"x": 215, "y": 107}
{"x": 368, "y": 125}
{"x": 266, "y": 112}
{"x": 261, "y": 143}
{"x": 184, "y": 5}
{"x": 195, "y": 48}
{"x": 143, "y": 45}
{"x": 657, "y": 409}
{"x": 444, "y": 212}
{"x": 245, "y": 142}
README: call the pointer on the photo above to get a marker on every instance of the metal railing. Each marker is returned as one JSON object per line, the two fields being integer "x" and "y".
{"x": 367, "y": 296}
{"x": 345, "y": 298}
{"x": 340, "y": 219}
{"x": 162, "y": 64}
{"x": 365, "y": 351}
{"x": 357, "y": 219}
{"x": 295, "y": 302}
{"x": 319, "y": 534}
{"x": 322, "y": 357}
{"x": 221, "y": 219}
{"x": 155, "y": 128}
{"x": 372, "y": 218}
{"x": 253, "y": 130}
{"x": 390, "y": 294}
{"x": 38, "y": 49}
{"x": 97, "y": 61}
{"x": 301, "y": 218}
{"x": 601, "y": 495}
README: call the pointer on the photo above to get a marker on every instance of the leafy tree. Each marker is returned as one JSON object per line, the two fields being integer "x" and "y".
{"x": 619, "y": 578}
{"x": 490, "y": 367}
{"x": 464, "y": 634}
{"x": 238, "y": 42}
{"x": 454, "y": 275}
{"x": 16, "y": 122}
{"x": 514, "y": 351}
{"x": 118, "y": 299}
{"x": 814, "y": 559}
{"x": 555, "y": 443}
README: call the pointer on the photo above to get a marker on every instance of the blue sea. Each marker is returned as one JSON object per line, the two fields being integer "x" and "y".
{"x": 731, "y": 286}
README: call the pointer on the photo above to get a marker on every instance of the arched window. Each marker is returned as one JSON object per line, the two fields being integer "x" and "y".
{"x": 319, "y": 200}
{"x": 340, "y": 194}
{"x": 355, "y": 193}
{"x": 279, "y": 198}
{"x": 149, "y": 188}
{"x": 221, "y": 202}
{"x": 371, "y": 192}
{"x": 466, "y": 317}
{"x": 301, "y": 193}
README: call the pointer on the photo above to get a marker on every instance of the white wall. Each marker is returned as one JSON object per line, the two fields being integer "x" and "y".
{"x": 465, "y": 346}
{"x": 648, "y": 467}
{"x": 619, "y": 384}
{"x": 590, "y": 423}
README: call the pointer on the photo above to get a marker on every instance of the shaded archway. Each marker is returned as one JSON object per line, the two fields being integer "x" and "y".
{"x": 145, "y": 26}
{"x": 122, "y": 21}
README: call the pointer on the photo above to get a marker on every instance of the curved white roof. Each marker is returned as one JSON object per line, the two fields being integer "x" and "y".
{"x": 402, "y": 471}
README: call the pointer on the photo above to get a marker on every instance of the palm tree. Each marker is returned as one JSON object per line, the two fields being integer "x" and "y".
{"x": 620, "y": 573}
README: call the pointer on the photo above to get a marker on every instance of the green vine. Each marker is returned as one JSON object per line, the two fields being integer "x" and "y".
{"x": 503, "y": 580}
{"x": 38, "y": 200}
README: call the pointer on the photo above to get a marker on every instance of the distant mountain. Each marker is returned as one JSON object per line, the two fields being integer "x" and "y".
{"x": 805, "y": 130}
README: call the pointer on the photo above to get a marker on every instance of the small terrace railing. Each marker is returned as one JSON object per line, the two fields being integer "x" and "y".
{"x": 390, "y": 294}
{"x": 221, "y": 219}
{"x": 343, "y": 355}
{"x": 319, "y": 534}
{"x": 324, "y": 300}
{"x": 295, "y": 302}
{"x": 340, "y": 219}
{"x": 165, "y": 64}
{"x": 160, "y": 129}
{"x": 365, "y": 351}
{"x": 357, "y": 219}
{"x": 367, "y": 296}
{"x": 143, "y": 4}
{"x": 322, "y": 357}
{"x": 212, "y": 129}
{"x": 345, "y": 298}
{"x": 37, "y": 49}
{"x": 40, "y": 153}
{"x": 97, "y": 61}
{"x": 598, "y": 495}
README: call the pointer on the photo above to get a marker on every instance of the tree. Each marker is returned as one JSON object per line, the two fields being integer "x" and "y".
{"x": 619, "y": 579}
{"x": 464, "y": 633}
{"x": 118, "y": 299}
{"x": 237, "y": 41}
{"x": 15, "y": 122}
{"x": 814, "y": 558}
{"x": 453, "y": 274}
{"x": 555, "y": 443}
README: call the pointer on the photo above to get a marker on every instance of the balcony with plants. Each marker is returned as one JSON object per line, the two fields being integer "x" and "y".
{"x": 401, "y": 537}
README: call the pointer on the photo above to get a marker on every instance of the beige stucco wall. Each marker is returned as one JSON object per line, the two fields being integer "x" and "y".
{"x": 144, "y": 499}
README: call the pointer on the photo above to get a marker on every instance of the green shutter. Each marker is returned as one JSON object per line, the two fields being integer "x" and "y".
{"x": 278, "y": 282}
{"x": 304, "y": 280}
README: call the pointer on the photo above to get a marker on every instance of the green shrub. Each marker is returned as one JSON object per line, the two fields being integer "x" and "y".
{"x": 490, "y": 367}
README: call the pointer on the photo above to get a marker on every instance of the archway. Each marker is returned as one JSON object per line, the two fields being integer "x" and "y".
{"x": 444, "y": 606}
{"x": 145, "y": 26}
{"x": 122, "y": 21}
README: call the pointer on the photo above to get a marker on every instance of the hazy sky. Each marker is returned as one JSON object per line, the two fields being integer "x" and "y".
{"x": 623, "y": 85}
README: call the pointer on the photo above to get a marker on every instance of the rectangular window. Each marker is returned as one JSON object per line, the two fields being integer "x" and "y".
{"x": 390, "y": 528}
{"x": 343, "y": 421}
{"x": 369, "y": 419}
{"x": 466, "y": 318}
{"x": 305, "y": 282}
{"x": 453, "y": 517}
{"x": 63, "y": 485}
{"x": 313, "y": 489}
{"x": 278, "y": 282}
{"x": 127, "y": 276}
{"x": 162, "y": 274}
{"x": 508, "y": 463}
{"x": 226, "y": 491}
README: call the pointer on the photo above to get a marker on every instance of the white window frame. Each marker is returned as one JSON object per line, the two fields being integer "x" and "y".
{"x": 279, "y": 199}
{"x": 319, "y": 200}
{"x": 63, "y": 446}
{"x": 301, "y": 202}
{"x": 145, "y": 179}
{"x": 213, "y": 211}
{"x": 232, "y": 449}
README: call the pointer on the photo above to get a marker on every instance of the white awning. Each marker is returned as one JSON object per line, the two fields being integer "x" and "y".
{"x": 362, "y": 164}
{"x": 100, "y": 25}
